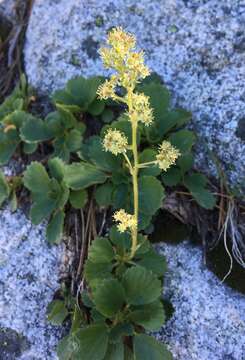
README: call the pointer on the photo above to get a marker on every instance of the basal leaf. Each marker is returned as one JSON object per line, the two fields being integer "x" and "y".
{"x": 147, "y": 347}
{"x": 101, "y": 251}
{"x": 183, "y": 140}
{"x": 95, "y": 272}
{"x": 196, "y": 184}
{"x": 150, "y": 316}
{"x": 30, "y": 148}
{"x": 57, "y": 312}
{"x": 35, "y": 130}
{"x": 115, "y": 351}
{"x": 36, "y": 178}
{"x": 55, "y": 227}
{"x": 171, "y": 177}
{"x": 146, "y": 156}
{"x": 141, "y": 286}
{"x": 153, "y": 261}
{"x": 4, "y": 188}
{"x": 92, "y": 342}
{"x": 82, "y": 175}
{"x": 109, "y": 297}
{"x": 103, "y": 160}
{"x": 103, "y": 194}
{"x": 78, "y": 199}
{"x": 56, "y": 168}
{"x": 151, "y": 194}
{"x": 185, "y": 162}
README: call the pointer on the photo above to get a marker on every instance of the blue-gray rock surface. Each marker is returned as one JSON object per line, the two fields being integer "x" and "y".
{"x": 209, "y": 318}
{"x": 197, "y": 46}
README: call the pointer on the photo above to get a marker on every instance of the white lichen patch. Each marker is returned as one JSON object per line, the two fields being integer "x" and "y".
{"x": 29, "y": 274}
{"x": 209, "y": 318}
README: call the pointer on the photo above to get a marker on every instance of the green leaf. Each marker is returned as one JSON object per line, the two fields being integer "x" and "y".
{"x": 56, "y": 168}
{"x": 55, "y": 228}
{"x": 103, "y": 160}
{"x": 95, "y": 272}
{"x": 150, "y": 316}
{"x": 96, "y": 107}
{"x": 30, "y": 148}
{"x": 78, "y": 94}
{"x": 35, "y": 130}
{"x": 153, "y": 261}
{"x": 151, "y": 194}
{"x": 4, "y": 188}
{"x": 172, "y": 119}
{"x": 67, "y": 347}
{"x": 141, "y": 286}
{"x": 109, "y": 297}
{"x": 171, "y": 177}
{"x": 48, "y": 195}
{"x": 146, "y": 347}
{"x": 185, "y": 162}
{"x": 107, "y": 116}
{"x": 82, "y": 175}
{"x": 73, "y": 140}
{"x": 119, "y": 331}
{"x": 183, "y": 140}
{"x": 120, "y": 196}
{"x": 8, "y": 143}
{"x": 92, "y": 342}
{"x": 121, "y": 240}
{"x": 77, "y": 319}
{"x": 146, "y": 156}
{"x": 41, "y": 209}
{"x": 103, "y": 194}
{"x": 78, "y": 199}
{"x": 196, "y": 184}
{"x": 36, "y": 178}
{"x": 101, "y": 251}
{"x": 13, "y": 201}
{"x": 115, "y": 352}
{"x": 57, "y": 312}
{"x": 159, "y": 98}
{"x": 159, "y": 101}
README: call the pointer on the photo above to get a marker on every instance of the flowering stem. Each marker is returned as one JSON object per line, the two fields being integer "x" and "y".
{"x": 143, "y": 165}
{"x": 134, "y": 124}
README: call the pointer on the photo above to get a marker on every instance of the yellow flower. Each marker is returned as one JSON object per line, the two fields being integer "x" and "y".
{"x": 107, "y": 89}
{"x": 115, "y": 142}
{"x": 126, "y": 221}
{"x": 121, "y": 40}
{"x": 167, "y": 155}
{"x": 120, "y": 56}
{"x": 141, "y": 108}
{"x": 135, "y": 64}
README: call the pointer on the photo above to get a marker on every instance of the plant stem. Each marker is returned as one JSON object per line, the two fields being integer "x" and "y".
{"x": 134, "y": 174}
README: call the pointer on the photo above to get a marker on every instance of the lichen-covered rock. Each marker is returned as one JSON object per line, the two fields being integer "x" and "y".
{"x": 209, "y": 318}
{"x": 29, "y": 274}
{"x": 197, "y": 46}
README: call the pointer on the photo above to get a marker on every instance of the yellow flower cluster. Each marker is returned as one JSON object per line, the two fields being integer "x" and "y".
{"x": 126, "y": 221}
{"x": 120, "y": 56}
{"x": 141, "y": 108}
{"x": 107, "y": 89}
{"x": 115, "y": 142}
{"x": 167, "y": 155}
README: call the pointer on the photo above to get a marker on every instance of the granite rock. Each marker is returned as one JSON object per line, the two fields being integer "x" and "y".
{"x": 29, "y": 274}
{"x": 209, "y": 318}
{"x": 197, "y": 46}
